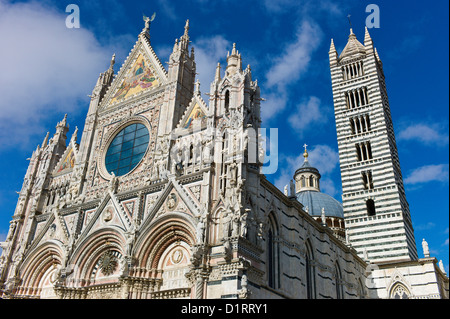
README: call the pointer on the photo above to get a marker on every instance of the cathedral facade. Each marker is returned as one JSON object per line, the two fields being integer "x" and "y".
{"x": 163, "y": 196}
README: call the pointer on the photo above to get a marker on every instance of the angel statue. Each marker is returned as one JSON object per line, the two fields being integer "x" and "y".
{"x": 148, "y": 20}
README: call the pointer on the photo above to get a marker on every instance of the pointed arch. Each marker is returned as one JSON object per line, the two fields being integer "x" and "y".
{"x": 227, "y": 101}
{"x": 153, "y": 241}
{"x": 216, "y": 232}
{"x": 90, "y": 250}
{"x": 338, "y": 281}
{"x": 399, "y": 291}
{"x": 310, "y": 271}
{"x": 272, "y": 252}
{"x": 40, "y": 269}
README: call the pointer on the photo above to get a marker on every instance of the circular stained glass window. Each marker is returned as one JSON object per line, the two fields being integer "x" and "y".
{"x": 127, "y": 149}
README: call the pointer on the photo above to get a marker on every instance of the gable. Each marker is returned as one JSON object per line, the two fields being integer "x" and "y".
{"x": 139, "y": 76}
{"x": 141, "y": 72}
{"x": 196, "y": 114}
{"x": 67, "y": 161}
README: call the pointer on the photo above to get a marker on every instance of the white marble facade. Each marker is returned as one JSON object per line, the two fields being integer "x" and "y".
{"x": 189, "y": 215}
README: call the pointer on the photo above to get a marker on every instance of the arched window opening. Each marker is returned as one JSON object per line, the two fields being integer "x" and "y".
{"x": 400, "y": 292}
{"x": 368, "y": 122}
{"x": 191, "y": 155}
{"x": 227, "y": 101}
{"x": 369, "y": 150}
{"x": 338, "y": 283}
{"x": 310, "y": 273}
{"x": 223, "y": 173}
{"x": 270, "y": 259}
{"x": 358, "y": 153}
{"x": 370, "y": 205}
{"x": 352, "y": 126}
{"x": 272, "y": 254}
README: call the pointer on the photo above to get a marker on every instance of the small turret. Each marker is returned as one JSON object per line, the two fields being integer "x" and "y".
{"x": 234, "y": 61}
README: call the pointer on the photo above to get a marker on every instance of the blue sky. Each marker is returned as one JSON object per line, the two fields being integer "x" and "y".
{"x": 48, "y": 70}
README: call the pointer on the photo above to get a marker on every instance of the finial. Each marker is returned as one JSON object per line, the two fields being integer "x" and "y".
{"x": 113, "y": 59}
{"x": 305, "y": 153}
{"x": 350, "y": 22}
{"x": 74, "y": 135}
{"x": 186, "y": 27}
{"x": 332, "y": 47}
{"x": 217, "y": 76}
{"x": 45, "y": 140}
{"x": 197, "y": 86}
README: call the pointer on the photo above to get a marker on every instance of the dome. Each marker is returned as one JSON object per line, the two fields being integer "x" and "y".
{"x": 314, "y": 201}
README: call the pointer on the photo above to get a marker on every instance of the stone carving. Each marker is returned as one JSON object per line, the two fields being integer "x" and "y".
{"x": 107, "y": 263}
{"x": 108, "y": 214}
{"x": 172, "y": 201}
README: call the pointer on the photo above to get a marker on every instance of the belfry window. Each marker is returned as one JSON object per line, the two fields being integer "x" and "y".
{"x": 360, "y": 124}
{"x": 356, "y": 98}
{"x": 370, "y": 205}
{"x": 363, "y": 151}
{"x": 352, "y": 70}
{"x": 127, "y": 149}
{"x": 367, "y": 179}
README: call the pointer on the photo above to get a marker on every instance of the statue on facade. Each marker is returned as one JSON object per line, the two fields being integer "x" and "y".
{"x": 426, "y": 251}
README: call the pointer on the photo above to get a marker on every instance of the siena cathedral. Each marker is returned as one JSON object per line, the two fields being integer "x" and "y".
{"x": 162, "y": 195}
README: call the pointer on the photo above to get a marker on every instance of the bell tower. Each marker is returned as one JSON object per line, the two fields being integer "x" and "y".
{"x": 376, "y": 212}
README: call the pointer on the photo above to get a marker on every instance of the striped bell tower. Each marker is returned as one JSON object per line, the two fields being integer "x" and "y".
{"x": 376, "y": 212}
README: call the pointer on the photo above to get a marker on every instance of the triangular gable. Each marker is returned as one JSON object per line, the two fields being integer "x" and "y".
{"x": 195, "y": 114}
{"x": 142, "y": 71}
{"x": 54, "y": 228}
{"x": 172, "y": 198}
{"x": 67, "y": 161}
{"x": 109, "y": 213}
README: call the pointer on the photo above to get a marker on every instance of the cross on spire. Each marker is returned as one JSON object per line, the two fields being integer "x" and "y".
{"x": 305, "y": 153}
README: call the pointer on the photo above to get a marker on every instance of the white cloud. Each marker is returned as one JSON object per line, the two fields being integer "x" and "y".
{"x": 307, "y": 114}
{"x": 274, "y": 103}
{"x": 425, "y": 133}
{"x": 208, "y": 52}
{"x": 426, "y": 226}
{"x": 428, "y": 173}
{"x": 324, "y": 158}
{"x": 294, "y": 61}
{"x": 46, "y": 67}
{"x": 288, "y": 67}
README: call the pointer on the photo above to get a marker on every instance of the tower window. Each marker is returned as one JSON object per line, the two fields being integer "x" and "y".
{"x": 356, "y": 98}
{"x": 367, "y": 179}
{"x": 227, "y": 101}
{"x": 360, "y": 124}
{"x": 311, "y": 181}
{"x": 353, "y": 70}
{"x": 370, "y": 205}
{"x": 363, "y": 151}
